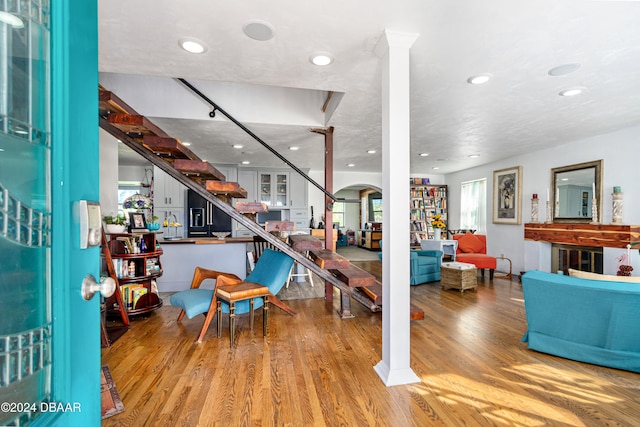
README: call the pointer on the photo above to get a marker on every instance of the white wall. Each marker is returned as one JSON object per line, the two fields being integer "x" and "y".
{"x": 108, "y": 173}
{"x": 619, "y": 150}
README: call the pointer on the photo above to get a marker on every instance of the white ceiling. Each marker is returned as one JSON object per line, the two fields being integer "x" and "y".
{"x": 516, "y": 41}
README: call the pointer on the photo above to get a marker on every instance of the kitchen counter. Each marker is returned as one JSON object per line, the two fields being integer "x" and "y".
{"x": 181, "y": 257}
{"x": 206, "y": 240}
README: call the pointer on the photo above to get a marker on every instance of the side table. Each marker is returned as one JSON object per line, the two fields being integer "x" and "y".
{"x": 458, "y": 275}
{"x": 448, "y": 247}
{"x": 240, "y": 292}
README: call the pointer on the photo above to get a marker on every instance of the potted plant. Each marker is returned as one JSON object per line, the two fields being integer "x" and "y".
{"x": 114, "y": 223}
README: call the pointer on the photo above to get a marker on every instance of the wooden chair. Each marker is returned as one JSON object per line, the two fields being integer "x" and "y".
{"x": 271, "y": 270}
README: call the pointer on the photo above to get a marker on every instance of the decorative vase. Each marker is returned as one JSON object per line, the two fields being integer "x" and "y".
{"x": 617, "y": 208}
{"x": 534, "y": 210}
{"x": 436, "y": 234}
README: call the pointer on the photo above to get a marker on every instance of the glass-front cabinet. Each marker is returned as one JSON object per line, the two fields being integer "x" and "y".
{"x": 274, "y": 188}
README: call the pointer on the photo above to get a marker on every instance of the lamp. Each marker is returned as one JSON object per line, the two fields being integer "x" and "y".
{"x": 138, "y": 202}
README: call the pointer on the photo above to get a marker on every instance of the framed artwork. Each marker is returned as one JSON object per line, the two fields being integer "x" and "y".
{"x": 137, "y": 222}
{"x": 507, "y": 196}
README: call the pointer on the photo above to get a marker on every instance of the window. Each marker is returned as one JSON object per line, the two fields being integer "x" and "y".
{"x": 473, "y": 205}
{"x": 375, "y": 207}
{"x": 338, "y": 213}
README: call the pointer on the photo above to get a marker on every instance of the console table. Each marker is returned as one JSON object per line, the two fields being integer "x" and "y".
{"x": 448, "y": 247}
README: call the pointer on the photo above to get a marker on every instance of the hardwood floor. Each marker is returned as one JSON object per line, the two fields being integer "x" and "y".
{"x": 315, "y": 369}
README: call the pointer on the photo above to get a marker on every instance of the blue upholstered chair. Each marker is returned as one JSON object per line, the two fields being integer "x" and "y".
{"x": 271, "y": 270}
{"x": 425, "y": 266}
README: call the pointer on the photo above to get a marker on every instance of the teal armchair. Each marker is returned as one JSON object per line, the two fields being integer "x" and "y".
{"x": 271, "y": 270}
{"x": 425, "y": 265}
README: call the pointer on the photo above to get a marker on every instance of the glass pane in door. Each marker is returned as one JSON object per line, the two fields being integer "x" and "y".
{"x": 265, "y": 188}
{"x": 25, "y": 207}
{"x": 281, "y": 189}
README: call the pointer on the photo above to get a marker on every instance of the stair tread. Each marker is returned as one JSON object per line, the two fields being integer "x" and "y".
{"x": 374, "y": 292}
{"x": 134, "y": 124}
{"x": 329, "y": 260}
{"x": 354, "y": 277}
{"x": 170, "y": 147}
{"x": 416, "y": 313}
{"x": 251, "y": 207}
{"x": 203, "y": 170}
{"x": 231, "y": 189}
{"x": 110, "y": 103}
{"x": 304, "y": 242}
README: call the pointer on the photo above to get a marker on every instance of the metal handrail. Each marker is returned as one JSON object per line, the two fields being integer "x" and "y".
{"x": 216, "y": 107}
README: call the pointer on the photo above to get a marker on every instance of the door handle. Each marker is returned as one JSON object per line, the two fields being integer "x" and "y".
{"x": 89, "y": 287}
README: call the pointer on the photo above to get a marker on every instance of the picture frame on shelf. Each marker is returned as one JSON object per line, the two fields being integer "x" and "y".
{"x": 137, "y": 222}
{"x": 507, "y": 196}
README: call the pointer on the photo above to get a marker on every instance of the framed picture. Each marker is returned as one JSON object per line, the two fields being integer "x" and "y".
{"x": 137, "y": 222}
{"x": 507, "y": 196}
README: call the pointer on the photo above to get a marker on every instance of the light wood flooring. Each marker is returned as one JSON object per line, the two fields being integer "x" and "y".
{"x": 317, "y": 370}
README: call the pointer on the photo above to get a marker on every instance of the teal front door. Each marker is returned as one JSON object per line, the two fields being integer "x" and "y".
{"x": 49, "y": 158}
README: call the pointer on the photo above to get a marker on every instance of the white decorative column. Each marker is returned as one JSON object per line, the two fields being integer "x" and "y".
{"x": 394, "y": 368}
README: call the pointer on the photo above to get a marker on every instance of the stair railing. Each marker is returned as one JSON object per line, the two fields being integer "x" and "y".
{"x": 212, "y": 114}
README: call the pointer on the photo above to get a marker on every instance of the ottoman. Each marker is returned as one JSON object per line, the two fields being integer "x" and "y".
{"x": 458, "y": 275}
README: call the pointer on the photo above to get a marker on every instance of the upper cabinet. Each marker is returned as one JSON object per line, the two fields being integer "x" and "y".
{"x": 274, "y": 188}
{"x": 248, "y": 179}
{"x": 167, "y": 191}
{"x": 297, "y": 191}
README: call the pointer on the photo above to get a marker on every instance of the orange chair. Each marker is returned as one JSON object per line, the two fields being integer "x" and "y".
{"x": 472, "y": 249}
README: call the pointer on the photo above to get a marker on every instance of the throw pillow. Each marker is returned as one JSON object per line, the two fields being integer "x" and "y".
{"x": 605, "y": 277}
{"x": 469, "y": 243}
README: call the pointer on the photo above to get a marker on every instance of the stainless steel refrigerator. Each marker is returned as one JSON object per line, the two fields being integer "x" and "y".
{"x": 204, "y": 217}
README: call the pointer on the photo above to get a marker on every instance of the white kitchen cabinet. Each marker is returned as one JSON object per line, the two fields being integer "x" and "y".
{"x": 297, "y": 191}
{"x": 167, "y": 191}
{"x": 274, "y": 188}
{"x": 248, "y": 180}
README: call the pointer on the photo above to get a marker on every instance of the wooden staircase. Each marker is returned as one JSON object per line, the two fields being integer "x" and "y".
{"x": 178, "y": 161}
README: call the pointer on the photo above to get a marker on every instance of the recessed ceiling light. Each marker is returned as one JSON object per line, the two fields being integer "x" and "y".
{"x": 371, "y": 151}
{"x": 186, "y": 144}
{"x": 238, "y": 146}
{"x": 321, "y": 58}
{"x": 424, "y": 154}
{"x": 192, "y": 45}
{"x": 245, "y": 162}
{"x": 258, "y": 30}
{"x": 473, "y": 156}
{"x": 294, "y": 148}
{"x": 435, "y": 168}
{"x": 351, "y": 165}
{"x": 11, "y": 19}
{"x": 479, "y": 79}
{"x": 563, "y": 70}
{"x": 571, "y": 92}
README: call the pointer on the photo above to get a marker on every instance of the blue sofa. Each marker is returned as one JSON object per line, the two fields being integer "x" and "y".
{"x": 592, "y": 321}
{"x": 425, "y": 266}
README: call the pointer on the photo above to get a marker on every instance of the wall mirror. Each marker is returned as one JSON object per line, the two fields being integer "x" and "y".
{"x": 573, "y": 188}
